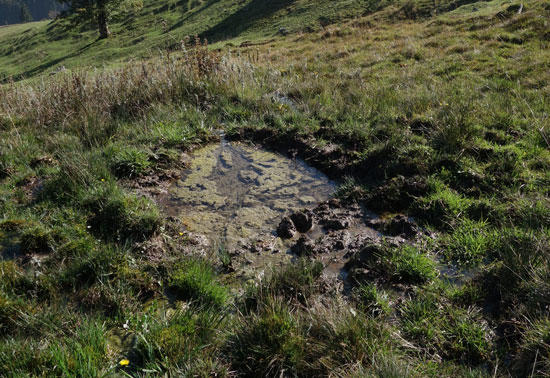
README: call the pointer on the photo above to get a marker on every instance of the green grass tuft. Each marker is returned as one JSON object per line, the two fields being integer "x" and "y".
{"x": 412, "y": 266}
{"x": 372, "y": 301}
{"x": 128, "y": 162}
{"x": 116, "y": 215}
{"x": 194, "y": 280}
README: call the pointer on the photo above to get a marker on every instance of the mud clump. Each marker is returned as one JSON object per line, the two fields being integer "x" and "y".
{"x": 286, "y": 229}
{"x": 336, "y": 224}
{"x": 357, "y": 246}
{"x": 361, "y": 262}
{"x": 303, "y": 220}
{"x": 397, "y": 194}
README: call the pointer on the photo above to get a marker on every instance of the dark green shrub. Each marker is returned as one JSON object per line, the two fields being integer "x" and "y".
{"x": 99, "y": 298}
{"x": 297, "y": 280}
{"x": 350, "y": 190}
{"x": 470, "y": 242}
{"x": 268, "y": 344}
{"x": 453, "y": 332}
{"x": 534, "y": 353}
{"x": 181, "y": 337}
{"x": 84, "y": 271}
{"x": 8, "y": 315}
{"x": 12, "y": 225}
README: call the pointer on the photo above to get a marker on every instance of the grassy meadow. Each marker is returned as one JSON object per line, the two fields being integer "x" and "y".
{"x": 145, "y": 28}
{"x": 435, "y": 110}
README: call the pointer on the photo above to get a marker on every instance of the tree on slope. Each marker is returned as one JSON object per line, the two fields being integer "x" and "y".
{"x": 96, "y": 9}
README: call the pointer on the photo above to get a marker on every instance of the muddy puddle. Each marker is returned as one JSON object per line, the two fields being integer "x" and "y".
{"x": 261, "y": 209}
{"x": 234, "y": 192}
{"x": 235, "y": 195}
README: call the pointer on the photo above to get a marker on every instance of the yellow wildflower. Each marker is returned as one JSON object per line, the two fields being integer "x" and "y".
{"x": 124, "y": 362}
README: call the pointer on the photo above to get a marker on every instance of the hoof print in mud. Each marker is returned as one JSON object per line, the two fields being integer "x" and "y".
{"x": 336, "y": 224}
{"x": 286, "y": 228}
{"x": 342, "y": 240}
{"x": 303, "y": 221}
{"x": 304, "y": 246}
{"x": 399, "y": 225}
{"x": 360, "y": 264}
{"x": 365, "y": 257}
{"x": 334, "y": 203}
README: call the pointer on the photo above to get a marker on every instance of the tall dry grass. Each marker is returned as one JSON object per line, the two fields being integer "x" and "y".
{"x": 82, "y": 96}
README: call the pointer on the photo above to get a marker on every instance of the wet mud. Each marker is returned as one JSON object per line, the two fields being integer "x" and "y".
{"x": 262, "y": 209}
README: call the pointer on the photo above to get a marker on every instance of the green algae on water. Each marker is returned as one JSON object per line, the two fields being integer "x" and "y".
{"x": 238, "y": 193}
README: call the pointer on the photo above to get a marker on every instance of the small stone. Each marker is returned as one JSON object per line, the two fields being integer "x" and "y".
{"x": 286, "y": 228}
{"x": 323, "y": 207}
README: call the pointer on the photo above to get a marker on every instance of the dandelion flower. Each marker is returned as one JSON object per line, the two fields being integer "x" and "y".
{"x": 124, "y": 362}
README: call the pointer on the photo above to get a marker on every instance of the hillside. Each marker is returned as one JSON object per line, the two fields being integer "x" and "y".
{"x": 120, "y": 254}
{"x": 138, "y": 31}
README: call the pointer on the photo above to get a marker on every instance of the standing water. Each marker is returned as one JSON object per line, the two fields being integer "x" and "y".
{"x": 237, "y": 194}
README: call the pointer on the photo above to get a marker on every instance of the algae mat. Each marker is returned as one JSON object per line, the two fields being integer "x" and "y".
{"x": 235, "y": 193}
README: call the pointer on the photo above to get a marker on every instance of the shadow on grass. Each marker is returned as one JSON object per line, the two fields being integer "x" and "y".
{"x": 244, "y": 18}
{"x": 52, "y": 63}
{"x": 192, "y": 12}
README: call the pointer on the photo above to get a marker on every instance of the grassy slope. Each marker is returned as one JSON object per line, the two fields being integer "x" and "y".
{"x": 441, "y": 117}
{"x": 8, "y": 31}
{"x": 138, "y": 31}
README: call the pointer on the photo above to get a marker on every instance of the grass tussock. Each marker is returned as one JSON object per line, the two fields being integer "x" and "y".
{"x": 278, "y": 339}
{"x": 195, "y": 280}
